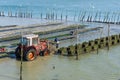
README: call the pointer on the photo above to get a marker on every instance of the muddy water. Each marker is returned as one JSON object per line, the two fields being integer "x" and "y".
{"x": 90, "y": 66}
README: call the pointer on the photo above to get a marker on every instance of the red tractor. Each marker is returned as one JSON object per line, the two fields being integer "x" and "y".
{"x": 2, "y": 50}
{"x": 31, "y": 46}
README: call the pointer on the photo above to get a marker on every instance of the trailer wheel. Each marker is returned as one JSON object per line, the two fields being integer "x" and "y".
{"x": 45, "y": 52}
{"x": 17, "y": 53}
{"x": 30, "y": 55}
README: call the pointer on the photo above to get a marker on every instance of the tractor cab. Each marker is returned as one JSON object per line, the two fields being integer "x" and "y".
{"x": 29, "y": 40}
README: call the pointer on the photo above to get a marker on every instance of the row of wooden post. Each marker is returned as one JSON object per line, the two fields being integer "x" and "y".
{"x": 17, "y": 14}
{"x": 93, "y": 45}
{"x": 86, "y": 16}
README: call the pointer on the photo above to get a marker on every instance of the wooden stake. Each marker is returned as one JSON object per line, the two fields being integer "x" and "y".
{"x": 108, "y": 35}
{"x": 118, "y": 18}
{"x": 99, "y": 16}
{"x": 66, "y": 17}
{"x": 61, "y": 16}
{"x": 41, "y": 15}
{"x": 79, "y": 17}
{"x": 114, "y": 18}
{"x": 83, "y": 16}
{"x": 21, "y": 63}
{"x": 104, "y": 17}
{"x": 91, "y": 18}
{"x": 95, "y": 17}
{"x": 56, "y": 16}
{"x": 75, "y": 16}
{"x": 77, "y": 44}
{"x": 107, "y": 17}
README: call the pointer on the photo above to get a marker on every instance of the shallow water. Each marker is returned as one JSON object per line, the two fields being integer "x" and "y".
{"x": 90, "y": 66}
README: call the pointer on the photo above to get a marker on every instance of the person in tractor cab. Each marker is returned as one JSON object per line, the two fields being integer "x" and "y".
{"x": 57, "y": 42}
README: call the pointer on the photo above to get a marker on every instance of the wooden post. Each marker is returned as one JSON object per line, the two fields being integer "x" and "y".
{"x": 83, "y": 16}
{"x": 118, "y": 18}
{"x": 79, "y": 17}
{"x": 104, "y": 17}
{"x": 21, "y": 63}
{"x": 91, "y": 18}
{"x": 107, "y": 18}
{"x": 107, "y": 15}
{"x": 61, "y": 16}
{"x": 95, "y": 17}
{"x": 75, "y": 16}
{"x": 108, "y": 35}
{"x": 41, "y": 15}
{"x": 77, "y": 43}
{"x": 2, "y": 13}
{"x": 18, "y": 14}
{"x": 15, "y": 14}
{"x": 53, "y": 15}
{"x": 97, "y": 50}
{"x": 66, "y": 17}
{"x": 24, "y": 15}
{"x": 112, "y": 17}
{"x": 10, "y": 14}
{"x": 99, "y": 16}
{"x": 88, "y": 18}
{"x": 31, "y": 15}
{"x": 46, "y": 15}
{"x": 56, "y": 16}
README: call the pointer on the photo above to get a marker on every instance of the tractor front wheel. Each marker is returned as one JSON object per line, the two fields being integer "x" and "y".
{"x": 30, "y": 55}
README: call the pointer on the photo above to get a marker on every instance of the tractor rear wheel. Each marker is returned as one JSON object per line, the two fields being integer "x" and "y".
{"x": 30, "y": 55}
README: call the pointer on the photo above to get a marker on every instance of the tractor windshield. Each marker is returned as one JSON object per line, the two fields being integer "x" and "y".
{"x": 25, "y": 41}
